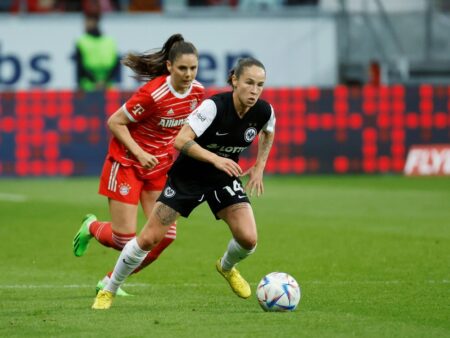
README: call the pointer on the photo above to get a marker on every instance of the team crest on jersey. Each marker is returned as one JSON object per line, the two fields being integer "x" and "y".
{"x": 250, "y": 134}
{"x": 124, "y": 189}
{"x": 193, "y": 104}
{"x": 169, "y": 192}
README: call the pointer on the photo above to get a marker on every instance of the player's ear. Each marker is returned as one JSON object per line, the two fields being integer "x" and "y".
{"x": 169, "y": 65}
{"x": 234, "y": 81}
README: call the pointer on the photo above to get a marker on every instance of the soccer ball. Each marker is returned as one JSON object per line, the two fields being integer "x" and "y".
{"x": 278, "y": 291}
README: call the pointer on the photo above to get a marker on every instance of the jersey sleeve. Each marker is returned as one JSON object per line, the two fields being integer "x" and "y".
{"x": 202, "y": 117}
{"x": 270, "y": 125}
{"x": 139, "y": 106}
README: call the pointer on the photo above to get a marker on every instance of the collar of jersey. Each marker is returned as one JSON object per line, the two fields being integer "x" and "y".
{"x": 174, "y": 92}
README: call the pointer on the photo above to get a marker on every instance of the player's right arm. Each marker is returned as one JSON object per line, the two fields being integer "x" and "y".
{"x": 185, "y": 143}
{"x": 117, "y": 123}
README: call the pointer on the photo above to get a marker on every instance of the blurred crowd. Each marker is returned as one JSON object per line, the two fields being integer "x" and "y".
{"x": 103, "y": 6}
{"x": 48, "y": 6}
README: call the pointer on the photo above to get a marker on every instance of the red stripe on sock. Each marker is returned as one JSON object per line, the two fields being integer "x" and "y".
{"x": 102, "y": 231}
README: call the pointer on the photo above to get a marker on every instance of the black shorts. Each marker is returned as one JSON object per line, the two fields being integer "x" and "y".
{"x": 180, "y": 198}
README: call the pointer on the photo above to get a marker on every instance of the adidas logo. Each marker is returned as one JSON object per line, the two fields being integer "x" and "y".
{"x": 170, "y": 112}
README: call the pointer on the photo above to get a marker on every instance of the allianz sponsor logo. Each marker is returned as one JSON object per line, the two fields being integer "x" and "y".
{"x": 170, "y": 123}
{"x": 223, "y": 149}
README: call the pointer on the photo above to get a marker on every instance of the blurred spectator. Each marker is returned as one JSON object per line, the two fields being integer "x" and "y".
{"x": 31, "y": 6}
{"x": 96, "y": 57}
{"x": 300, "y": 2}
{"x": 204, "y": 3}
{"x": 145, "y": 5}
{"x": 260, "y": 4}
{"x": 87, "y": 6}
{"x": 6, "y": 5}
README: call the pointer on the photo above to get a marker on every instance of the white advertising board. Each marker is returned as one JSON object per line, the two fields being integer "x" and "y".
{"x": 36, "y": 51}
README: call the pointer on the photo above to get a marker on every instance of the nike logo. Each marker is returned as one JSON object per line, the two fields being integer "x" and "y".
{"x": 241, "y": 196}
{"x": 221, "y": 134}
{"x": 127, "y": 263}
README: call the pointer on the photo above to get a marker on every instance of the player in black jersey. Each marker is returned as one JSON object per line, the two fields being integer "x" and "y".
{"x": 208, "y": 170}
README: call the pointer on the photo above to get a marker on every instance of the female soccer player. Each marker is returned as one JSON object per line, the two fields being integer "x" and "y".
{"x": 207, "y": 170}
{"x": 141, "y": 150}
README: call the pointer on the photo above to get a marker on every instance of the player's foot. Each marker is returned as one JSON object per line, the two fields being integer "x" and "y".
{"x": 238, "y": 284}
{"x": 102, "y": 283}
{"x": 83, "y": 236}
{"x": 103, "y": 301}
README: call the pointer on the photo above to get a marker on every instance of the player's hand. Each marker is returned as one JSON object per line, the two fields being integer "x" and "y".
{"x": 255, "y": 182}
{"x": 148, "y": 161}
{"x": 228, "y": 166}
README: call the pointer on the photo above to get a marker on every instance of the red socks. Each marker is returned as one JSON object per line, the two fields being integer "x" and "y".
{"x": 105, "y": 235}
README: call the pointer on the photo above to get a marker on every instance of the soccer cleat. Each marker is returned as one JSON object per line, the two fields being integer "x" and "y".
{"x": 102, "y": 283}
{"x": 103, "y": 301}
{"x": 238, "y": 284}
{"x": 83, "y": 236}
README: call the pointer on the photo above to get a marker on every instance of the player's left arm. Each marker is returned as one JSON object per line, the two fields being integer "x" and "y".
{"x": 255, "y": 173}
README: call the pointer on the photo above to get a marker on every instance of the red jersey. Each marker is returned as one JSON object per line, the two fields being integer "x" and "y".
{"x": 157, "y": 113}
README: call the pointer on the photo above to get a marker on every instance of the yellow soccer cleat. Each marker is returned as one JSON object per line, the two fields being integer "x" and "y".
{"x": 103, "y": 301}
{"x": 237, "y": 283}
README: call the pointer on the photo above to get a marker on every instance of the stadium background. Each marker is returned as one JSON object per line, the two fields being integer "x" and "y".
{"x": 342, "y": 107}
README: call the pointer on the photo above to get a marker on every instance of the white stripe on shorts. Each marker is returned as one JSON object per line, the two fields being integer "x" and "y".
{"x": 112, "y": 185}
{"x": 217, "y": 198}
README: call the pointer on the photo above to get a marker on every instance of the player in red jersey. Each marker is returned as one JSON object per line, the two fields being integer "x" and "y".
{"x": 141, "y": 150}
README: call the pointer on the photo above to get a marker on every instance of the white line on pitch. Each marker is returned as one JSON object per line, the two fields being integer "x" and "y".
{"x": 81, "y": 286}
{"x": 12, "y": 197}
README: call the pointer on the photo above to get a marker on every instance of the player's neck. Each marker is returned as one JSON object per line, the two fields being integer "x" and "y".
{"x": 240, "y": 108}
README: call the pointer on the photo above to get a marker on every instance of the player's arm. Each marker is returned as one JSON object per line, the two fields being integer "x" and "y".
{"x": 117, "y": 123}
{"x": 185, "y": 143}
{"x": 256, "y": 172}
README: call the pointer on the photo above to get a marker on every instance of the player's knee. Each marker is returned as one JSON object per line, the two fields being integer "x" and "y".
{"x": 248, "y": 243}
{"x": 148, "y": 241}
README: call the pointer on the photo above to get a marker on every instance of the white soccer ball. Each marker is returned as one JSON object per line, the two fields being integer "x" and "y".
{"x": 278, "y": 291}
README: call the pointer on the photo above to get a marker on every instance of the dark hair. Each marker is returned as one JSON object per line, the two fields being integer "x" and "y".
{"x": 240, "y": 65}
{"x": 147, "y": 66}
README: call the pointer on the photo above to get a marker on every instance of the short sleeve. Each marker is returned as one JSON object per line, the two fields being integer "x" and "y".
{"x": 270, "y": 125}
{"x": 139, "y": 106}
{"x": 201, "y": 118}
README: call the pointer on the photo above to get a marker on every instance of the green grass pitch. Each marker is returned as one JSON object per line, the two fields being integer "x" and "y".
{"x": 372, "y": 256}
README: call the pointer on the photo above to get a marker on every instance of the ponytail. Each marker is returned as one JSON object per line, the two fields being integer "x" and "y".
{"x": 147, "y": 66}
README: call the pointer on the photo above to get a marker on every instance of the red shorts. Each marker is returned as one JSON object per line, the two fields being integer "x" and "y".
{"x": 125, "y": 184}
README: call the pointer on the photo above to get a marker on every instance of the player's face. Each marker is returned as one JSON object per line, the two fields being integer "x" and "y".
{"x": 248, "y": 87}
{"x": 183, "y": 71}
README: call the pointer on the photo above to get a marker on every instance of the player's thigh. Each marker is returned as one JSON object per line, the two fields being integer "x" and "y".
{"x": 150, "y": 192}
{"x": 123, "y": 216}
{"x": 148, "y": 200}
{"x": 241, "y": 221}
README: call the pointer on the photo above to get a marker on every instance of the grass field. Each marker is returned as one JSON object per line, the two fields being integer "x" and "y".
{"x": 372, "y": 255}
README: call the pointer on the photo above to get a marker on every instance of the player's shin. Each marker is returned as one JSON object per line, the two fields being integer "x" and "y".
{"x": 130, "y": 258}
{"x": 153, "y": 255}
{"x": 234, "y": 254}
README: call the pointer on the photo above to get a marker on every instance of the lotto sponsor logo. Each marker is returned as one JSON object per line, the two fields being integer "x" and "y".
{"x": 223, "y": 149}
{"x": 427, "y": 160}
{"x": 170, "y": 123}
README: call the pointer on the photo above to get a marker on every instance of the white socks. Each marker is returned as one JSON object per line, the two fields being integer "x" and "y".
{"x": 130, "y": 258}
{"x": 234, "y": 254}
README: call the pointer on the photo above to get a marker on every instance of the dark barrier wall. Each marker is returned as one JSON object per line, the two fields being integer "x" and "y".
{"x": 340, "y": 130}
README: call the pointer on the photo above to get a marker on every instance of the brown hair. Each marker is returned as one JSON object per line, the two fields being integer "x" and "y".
{"x": 147, "y": 66}
{"x": 240, "y": 65}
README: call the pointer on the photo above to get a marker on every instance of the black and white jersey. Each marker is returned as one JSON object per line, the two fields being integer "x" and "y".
{"x": 219, "y": 129}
